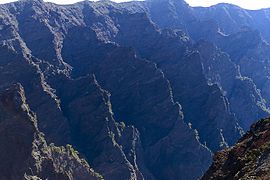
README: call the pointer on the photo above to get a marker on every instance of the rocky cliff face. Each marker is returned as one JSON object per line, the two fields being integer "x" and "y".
{"x": 230, "y": 30}
{"x": 24, "y": 151}
{"x": 127, "y": 87}
{"x": 140, "y": 93}
{"x": 94, "y": 131}
{"x": 172, "y": 52}
{"x": 250, "y": 52}
{"x": 249, "y": 158}
{"x": 70, "y": 98}
{"x": 232, "y": 19}
{"x": 245, "y": 100}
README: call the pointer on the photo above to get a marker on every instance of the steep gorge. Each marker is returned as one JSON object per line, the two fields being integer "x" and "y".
{"x": 129, "y": 86}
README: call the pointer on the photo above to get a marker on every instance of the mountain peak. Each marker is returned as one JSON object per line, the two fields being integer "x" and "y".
{"x": 31, "y": 1}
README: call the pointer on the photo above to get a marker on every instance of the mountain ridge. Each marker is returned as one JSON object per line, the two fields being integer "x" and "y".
{"x": 129, "y": 88}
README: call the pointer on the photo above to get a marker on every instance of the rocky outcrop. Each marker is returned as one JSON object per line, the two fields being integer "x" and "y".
{"x": 24, "y": 151}
{"x": 248, "y": 159}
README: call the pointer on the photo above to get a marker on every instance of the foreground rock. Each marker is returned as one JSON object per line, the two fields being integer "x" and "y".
{"x": 248, "y": 159}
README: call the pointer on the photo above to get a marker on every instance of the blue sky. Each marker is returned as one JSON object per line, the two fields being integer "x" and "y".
{"x": 249, "y": 4}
